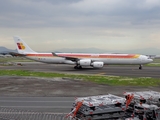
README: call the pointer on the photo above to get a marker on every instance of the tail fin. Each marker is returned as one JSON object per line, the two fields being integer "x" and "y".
{"x": 21, "y": 46}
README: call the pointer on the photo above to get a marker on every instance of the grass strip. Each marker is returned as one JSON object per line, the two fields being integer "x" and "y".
{"x": 99, "y": 79}
{"x": 153, "y": 65}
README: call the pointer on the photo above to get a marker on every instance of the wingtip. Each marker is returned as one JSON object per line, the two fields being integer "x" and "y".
{"x": 54, "y": 54}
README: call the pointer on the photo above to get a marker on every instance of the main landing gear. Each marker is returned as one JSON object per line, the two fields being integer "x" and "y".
{"x": 77, "y": 67}
{"x": 140, "y": 67}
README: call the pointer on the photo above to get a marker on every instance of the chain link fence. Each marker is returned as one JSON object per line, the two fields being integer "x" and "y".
{"x": 18, "y": 114}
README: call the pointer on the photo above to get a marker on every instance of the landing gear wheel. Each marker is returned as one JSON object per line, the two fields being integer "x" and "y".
{"x": 140, "y": 67}
{"x": 77, "y": 67}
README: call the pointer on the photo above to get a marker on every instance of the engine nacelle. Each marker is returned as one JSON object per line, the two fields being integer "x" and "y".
{"x": 97, "y": 64}
{"x": 84, "y": 62}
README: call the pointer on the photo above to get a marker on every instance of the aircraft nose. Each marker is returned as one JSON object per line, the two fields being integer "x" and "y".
{"x": 146, "y": 59}
{"x": 150, "y": 60}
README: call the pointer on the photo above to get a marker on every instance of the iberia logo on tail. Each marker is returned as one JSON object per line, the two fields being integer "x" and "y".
{"x": 21, "y": 46}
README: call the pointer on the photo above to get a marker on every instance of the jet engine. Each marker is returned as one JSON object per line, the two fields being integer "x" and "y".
{"x": 84, "y": 62}
{"x": 88, "y": 62}
{"x": 97, "y": 64}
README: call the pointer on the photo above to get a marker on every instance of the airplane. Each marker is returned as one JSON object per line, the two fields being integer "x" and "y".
{"x": 80, "y": 59}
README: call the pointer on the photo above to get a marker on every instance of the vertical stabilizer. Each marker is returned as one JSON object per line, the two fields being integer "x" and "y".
{"x": 21, "y": 46}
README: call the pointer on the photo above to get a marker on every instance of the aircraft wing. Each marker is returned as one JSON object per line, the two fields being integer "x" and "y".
{"x": 16, "y": 54}
{"x": 66, "y": 57}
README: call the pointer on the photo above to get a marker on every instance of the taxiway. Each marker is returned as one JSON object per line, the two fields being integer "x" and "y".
{"x": 116, "y": 70}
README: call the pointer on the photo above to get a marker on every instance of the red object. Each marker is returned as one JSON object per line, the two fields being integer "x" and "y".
{"x": 79, "y": 104}
{"x": 129, "y": 99}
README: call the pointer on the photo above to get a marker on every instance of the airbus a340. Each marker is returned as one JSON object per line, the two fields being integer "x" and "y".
{"x": 80, "y": 59}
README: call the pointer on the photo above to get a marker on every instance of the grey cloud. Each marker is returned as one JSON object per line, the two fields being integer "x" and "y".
{"x": 58, "y": 1}
{"x": 76, "y": 13}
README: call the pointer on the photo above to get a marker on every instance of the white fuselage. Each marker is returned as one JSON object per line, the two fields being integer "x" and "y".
{"x": 107, "y": 59}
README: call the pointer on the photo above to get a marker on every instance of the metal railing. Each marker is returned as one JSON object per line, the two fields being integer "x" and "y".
{"x": 18, "y": 114}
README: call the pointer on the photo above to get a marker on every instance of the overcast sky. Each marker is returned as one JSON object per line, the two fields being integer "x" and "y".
{"x": 106, "y": 24}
